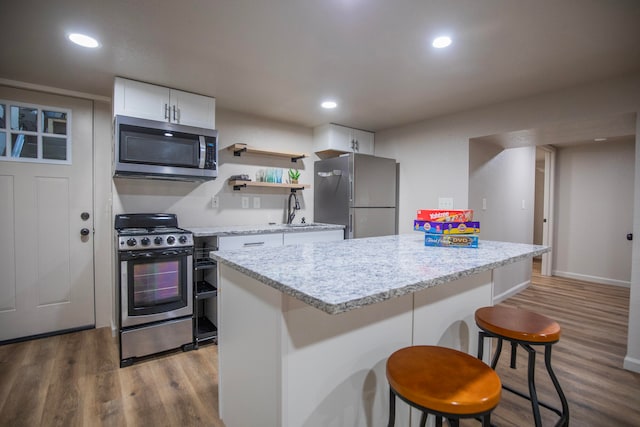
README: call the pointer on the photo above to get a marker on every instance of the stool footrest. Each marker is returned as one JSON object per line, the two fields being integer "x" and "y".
{"x": 526, "y": 396}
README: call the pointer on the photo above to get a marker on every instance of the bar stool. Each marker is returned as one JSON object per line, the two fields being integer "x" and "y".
{"x": 444, "y": 382}
{"x": 527, "y": 329}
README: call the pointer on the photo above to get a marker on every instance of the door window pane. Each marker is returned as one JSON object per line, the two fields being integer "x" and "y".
{"x": 24, "y": 118}
{"x": 54, "y": 122}
{"x": 54, "y": 148}
{"x": 34, "y": 133}
{"x": 25, "y": 146}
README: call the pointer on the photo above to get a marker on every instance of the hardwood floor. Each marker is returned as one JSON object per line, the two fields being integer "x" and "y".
{"x": 75, "y": 379}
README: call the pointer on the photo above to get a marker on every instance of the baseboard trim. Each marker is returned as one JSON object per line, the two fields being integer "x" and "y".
{"x": 593, "y": 279}
{"x": 511, "y": 292}
{"x": 631, "y": 364}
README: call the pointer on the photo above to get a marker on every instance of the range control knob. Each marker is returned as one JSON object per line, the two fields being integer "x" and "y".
{"x": 182, "y": 239}
{"x": 157, "y": 240}
{"x": 171, "y": 240}
{"x": 145, "y": 241}
{"x": 131, "y": 242}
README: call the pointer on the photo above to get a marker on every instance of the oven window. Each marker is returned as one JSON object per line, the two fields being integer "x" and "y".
{"x": 156, "y": 283}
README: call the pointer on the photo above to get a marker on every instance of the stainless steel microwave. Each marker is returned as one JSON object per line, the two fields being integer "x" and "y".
{"x": 162, "y": 150}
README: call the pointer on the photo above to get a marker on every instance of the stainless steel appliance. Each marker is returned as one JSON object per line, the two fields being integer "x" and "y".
{"x": 155, "y": 285}
{"x": 162, "y": 150}
{"x": 357, "y": 191}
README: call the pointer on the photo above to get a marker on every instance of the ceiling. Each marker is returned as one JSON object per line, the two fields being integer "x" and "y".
{"x": 280, "y": 58}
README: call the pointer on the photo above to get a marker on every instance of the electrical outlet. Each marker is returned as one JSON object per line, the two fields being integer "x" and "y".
{"x": 445, "y": 203}
{"x": 215, "y": 202}
{"x": 256, "y": 203}
{"x": 245, "y": 202}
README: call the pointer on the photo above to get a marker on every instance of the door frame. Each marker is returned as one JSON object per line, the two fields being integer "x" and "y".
{"x": 548, "y": 208}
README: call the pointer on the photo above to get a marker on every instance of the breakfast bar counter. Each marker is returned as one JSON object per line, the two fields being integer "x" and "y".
{"x": 305, "y": 330}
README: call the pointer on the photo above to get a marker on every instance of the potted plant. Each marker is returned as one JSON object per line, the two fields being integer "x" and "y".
{"x": 294, "y": 174}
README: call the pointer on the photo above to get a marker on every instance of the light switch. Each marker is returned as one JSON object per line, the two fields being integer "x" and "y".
{"x": 256, "y": 203}
{"x": 215, "y": 202}
{"x": 245, "y": 202}
{"x": 484, "y": 204}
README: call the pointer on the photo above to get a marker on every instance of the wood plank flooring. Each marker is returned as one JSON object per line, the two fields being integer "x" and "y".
{"x": 75, "y": 379}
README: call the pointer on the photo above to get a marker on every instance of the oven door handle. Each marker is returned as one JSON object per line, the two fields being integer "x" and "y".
{"x": 158, "y": 255}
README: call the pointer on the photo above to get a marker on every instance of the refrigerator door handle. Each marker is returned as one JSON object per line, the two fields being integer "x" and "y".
{"x": 350, "y": 226}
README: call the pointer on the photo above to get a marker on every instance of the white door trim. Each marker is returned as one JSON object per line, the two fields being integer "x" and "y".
{"x": 548, "y": 209}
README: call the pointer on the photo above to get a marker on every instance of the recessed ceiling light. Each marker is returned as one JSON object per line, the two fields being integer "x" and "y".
{"x": 83, "y": 40}
{"x": 440, "y": 42}
{"x": 599, "y": 139}
{"x": 329, "y": 104}
{"x": 168, "y": 134}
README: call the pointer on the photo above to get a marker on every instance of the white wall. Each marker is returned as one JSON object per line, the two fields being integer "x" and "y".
{"x": 192, "y": 201}
{"x": 434, "y": 154}
{"x": 505, "y": 181}
{"x": 594, "y": 211}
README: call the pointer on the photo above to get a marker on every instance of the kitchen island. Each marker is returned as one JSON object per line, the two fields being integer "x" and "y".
{"x": 305, "y": 330}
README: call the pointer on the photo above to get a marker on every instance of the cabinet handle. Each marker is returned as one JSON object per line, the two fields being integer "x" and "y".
{"x": 166, "y": 111}
{"x": 357, "y": 145}
{"x": 253, "y": 244}
{"x": 175, "y": 114}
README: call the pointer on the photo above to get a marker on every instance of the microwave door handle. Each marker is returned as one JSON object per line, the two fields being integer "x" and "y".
{"x": 203, "y": 152}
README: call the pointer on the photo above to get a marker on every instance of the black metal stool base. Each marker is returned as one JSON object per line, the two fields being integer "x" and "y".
{"x": 532, "y": 396}
{"x": 452, "y": 419}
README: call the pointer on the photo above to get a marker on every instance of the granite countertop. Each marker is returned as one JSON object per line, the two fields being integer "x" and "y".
{"x": 340, "y": 276}
{"x": 238, "y": 230}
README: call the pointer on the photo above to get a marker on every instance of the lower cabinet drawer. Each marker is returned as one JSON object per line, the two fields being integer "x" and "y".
{"x": 249, "y": 241}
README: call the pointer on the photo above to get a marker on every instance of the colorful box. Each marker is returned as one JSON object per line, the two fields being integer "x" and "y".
{"x": 448, "y": 240}
{"x": 445, "y": 215}
{"x": 433, "y": 227}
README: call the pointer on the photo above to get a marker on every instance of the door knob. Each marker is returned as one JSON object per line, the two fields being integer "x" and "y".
{"x": 84, "y": 232}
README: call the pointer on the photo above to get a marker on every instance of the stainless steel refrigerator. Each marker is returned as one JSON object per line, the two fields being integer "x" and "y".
{"x": 357, "y": 191}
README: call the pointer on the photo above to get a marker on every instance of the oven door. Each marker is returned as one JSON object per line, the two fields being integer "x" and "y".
{"x": 155, "y": 285}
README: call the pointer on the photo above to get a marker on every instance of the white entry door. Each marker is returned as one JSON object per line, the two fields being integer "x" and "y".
{"x": 46, "y": 217}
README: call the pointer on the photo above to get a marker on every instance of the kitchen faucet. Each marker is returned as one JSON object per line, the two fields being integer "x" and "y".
{"x": 291, "y": 213}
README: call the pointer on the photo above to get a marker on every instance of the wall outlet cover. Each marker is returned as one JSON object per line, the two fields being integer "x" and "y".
{"x": 445, "y": 203}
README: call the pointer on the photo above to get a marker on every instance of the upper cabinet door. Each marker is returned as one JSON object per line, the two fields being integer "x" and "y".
{"x": 147, "y": 101}
{"x": 363, "y": 141}
{"x": 192, "y": 109}
{"x": 143, "y": 100}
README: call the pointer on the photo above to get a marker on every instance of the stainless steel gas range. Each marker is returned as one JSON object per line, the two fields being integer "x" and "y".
{"x": 155, "y": 290}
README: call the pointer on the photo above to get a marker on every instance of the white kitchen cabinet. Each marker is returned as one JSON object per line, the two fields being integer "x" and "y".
{"x": 313, "y": 236}
{"x": 147, "y": 101}
{"x": 342, "y": 139}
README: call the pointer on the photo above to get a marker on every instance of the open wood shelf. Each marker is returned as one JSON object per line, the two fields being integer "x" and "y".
{"x": 238, "y": 149}
{"x": 237, "y": 185}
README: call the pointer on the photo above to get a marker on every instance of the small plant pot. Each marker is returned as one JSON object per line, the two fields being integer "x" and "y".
{"x": 294, "y": 181}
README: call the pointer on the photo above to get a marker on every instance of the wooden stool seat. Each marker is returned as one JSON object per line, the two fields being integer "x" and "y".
{"x": 443, "y": 381}
{"x": 518, "y": 324}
